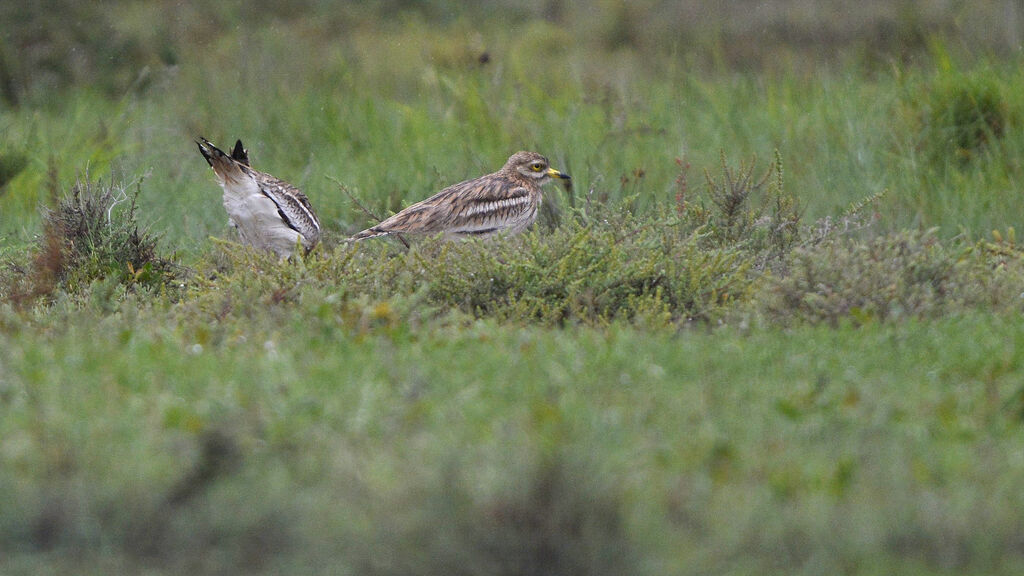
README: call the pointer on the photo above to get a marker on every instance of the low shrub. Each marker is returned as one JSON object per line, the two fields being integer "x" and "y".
{"x": 91, "y": 235}
{"x": 628, "y": 269}
{"x": 907, "y": 274}
{"x": 11, "y": 164}
{"x": 962, "y": 115}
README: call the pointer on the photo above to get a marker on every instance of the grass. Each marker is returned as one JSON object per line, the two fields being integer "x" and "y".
{"x": 771, "y": 328}
{"x": 732, "y": 451}
{"x": 393, "y": 121}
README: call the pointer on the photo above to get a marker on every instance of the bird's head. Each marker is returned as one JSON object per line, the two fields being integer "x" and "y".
{"x": 533, "y": 167}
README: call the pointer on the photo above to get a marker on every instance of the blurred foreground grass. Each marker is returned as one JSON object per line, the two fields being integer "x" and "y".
{"x": 315, "y": 445}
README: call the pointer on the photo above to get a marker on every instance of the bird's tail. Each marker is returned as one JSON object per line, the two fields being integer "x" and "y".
{"x": 240, "y": 154}
{"x": 368, "y": 233}
{"x": 226, "y": 167}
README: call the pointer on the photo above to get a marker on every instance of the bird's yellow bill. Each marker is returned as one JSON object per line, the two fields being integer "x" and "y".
{"x": 556, "y": 174}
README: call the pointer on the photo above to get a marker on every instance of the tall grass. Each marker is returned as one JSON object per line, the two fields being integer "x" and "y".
{"x": 395, "y": 113}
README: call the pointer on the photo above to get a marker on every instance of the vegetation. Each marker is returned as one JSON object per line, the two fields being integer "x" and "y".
{"x": 698, "y": 361}
{"x": 86, "y": 239}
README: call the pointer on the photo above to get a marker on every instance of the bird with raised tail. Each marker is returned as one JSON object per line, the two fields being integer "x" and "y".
{"x": 505, "y": 202}
{"x": 268, "y": 213}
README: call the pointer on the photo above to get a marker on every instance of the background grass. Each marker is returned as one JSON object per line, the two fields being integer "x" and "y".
{"x": 679, "y": 371}
{"x": 398, "y": 108}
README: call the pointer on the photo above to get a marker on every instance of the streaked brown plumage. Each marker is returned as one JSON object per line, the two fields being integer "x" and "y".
{"x": 268, "y": 213}
{"x": 503, "y": 202}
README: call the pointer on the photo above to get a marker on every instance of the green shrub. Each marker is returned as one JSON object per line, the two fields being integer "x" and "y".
{"x": 908, "y": 274}
{"x": 626, "y": 269}
{"x": 91, "y": 235}
{"x": 595, "y": 273}
{"x": 963, "y": 115}
{"x": 11, "y": 164}
{"x": 747, "y": 212}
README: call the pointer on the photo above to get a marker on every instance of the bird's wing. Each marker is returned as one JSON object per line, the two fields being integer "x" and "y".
{"x": 416, "y": 219}
{"x": 487, "y": 205}
{"x": 474, "y": 206}
{"x": 292, "y": 205}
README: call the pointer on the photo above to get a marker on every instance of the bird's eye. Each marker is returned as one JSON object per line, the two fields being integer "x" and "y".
{"x": 536, "y": 166}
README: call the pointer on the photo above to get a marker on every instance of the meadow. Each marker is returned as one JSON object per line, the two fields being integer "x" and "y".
{"x": 770, "y": 328}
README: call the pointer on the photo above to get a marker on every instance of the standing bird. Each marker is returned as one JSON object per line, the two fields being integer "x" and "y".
{"x": 503, "y": 202}
{"x": 268, "y": 213}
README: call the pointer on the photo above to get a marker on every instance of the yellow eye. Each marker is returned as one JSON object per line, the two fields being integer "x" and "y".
{"x": 536, "y": 166}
